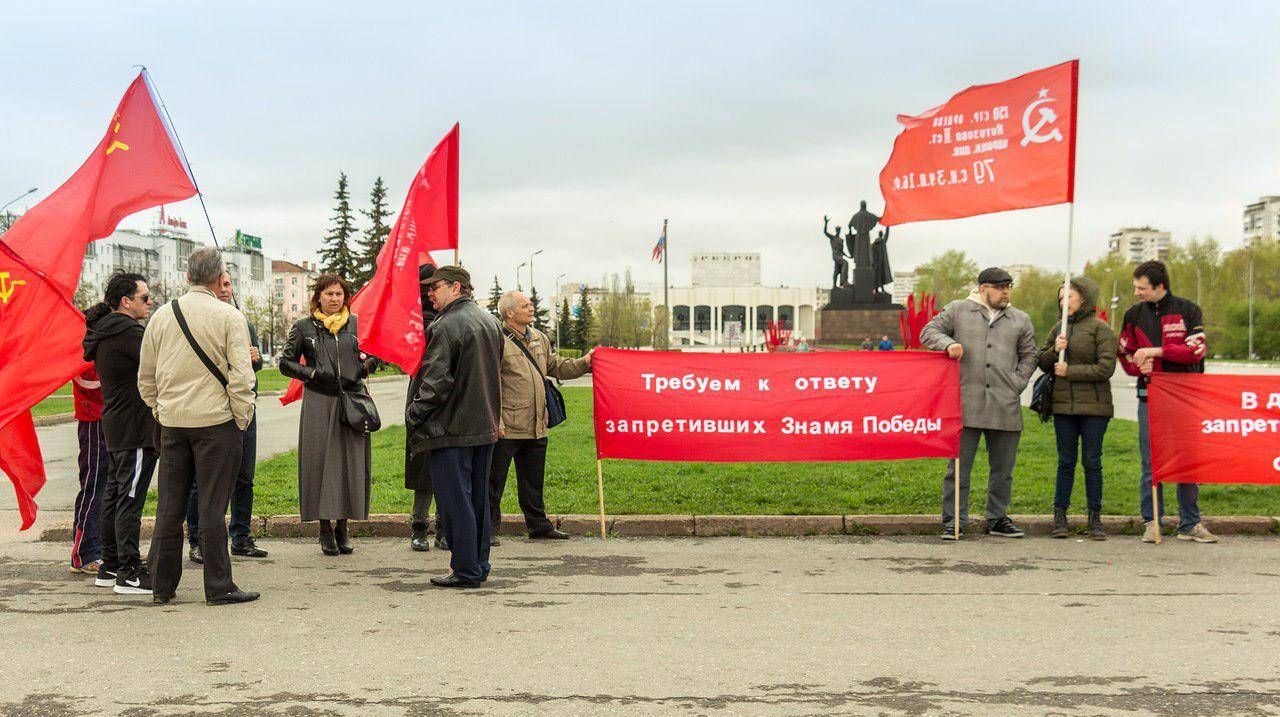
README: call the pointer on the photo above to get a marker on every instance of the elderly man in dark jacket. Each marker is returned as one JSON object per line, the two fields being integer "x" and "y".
{"x": 455, "y": 416}
{"x": 996, "y": 347}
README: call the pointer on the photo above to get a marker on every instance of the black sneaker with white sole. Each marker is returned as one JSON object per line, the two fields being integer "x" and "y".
{"x": 137, "y": 582}
{"x": 106, "y": 578}
{"x": 949, "y": 532}
{"x": 1005, "y": 528}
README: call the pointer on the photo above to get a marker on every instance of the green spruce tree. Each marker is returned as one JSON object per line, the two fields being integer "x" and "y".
{"x": 564, "y": 325}
{"x": 539, "y": 312}
{"x": 336, "y": 256}
{"x": 495, "y": 295}
{"x": 583, "y": 323}
{"x": 376, "y": 235}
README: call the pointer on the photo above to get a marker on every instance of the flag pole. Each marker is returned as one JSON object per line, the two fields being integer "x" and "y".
{"x": 600, "y": 485}
{"x": 151, "y": 86}
{"x": 1066, "y": 282}
{"x": 666, "y": 298}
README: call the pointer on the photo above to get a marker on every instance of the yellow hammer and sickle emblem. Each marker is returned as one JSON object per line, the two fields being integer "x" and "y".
{"x": 115, "y": 143}
{"x": 7, "y": 287}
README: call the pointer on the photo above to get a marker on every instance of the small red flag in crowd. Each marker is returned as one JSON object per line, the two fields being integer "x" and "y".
{"x": 990, "y": 148}
{"x": 134, "y": 167}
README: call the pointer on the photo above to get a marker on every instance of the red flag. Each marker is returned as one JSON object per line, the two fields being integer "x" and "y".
{"x": 134, "y": 167}
{"x": 990, "y": 148}
{"x": 1209, "y": 428}
{"x": 389, "y": 306}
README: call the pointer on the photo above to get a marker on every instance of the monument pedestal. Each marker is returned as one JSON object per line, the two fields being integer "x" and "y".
{"x": 849, "y": 325}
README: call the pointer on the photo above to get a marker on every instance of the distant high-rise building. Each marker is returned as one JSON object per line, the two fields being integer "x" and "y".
{"x": 1262, "y": 220}
{"x": 1139, "y": 244}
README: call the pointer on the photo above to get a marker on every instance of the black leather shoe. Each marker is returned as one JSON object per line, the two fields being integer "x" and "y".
{"x": 328, "y": 545}
{"x": 419, "y": 542}
{"x": 343, "y": 537}
{"x": 196, "y": 556}
{"x": 442, "y": 543}
{"x": 552, "y": 534}
{"x": 453, "y": 581}
{"x": 161, "y": 599}
{"x": 248, "y": 549}
{"x": 234, "y": 597}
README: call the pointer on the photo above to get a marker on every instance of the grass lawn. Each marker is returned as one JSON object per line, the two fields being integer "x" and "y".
{"x": 635, "y": 487}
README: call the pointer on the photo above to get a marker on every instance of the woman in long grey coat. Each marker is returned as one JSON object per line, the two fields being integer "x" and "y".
{"x": 333, "y": 458}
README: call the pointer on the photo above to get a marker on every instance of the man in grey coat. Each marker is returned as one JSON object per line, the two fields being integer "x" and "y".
{"x": 996, "y": 347}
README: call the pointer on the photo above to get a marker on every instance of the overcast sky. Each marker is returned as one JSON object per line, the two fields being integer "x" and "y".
{"x": 585, "y": 124}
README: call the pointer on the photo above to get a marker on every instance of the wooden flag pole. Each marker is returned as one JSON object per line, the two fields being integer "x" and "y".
{"x": 1066, "y": 282}
{"x": 600, "y": 486}
{"x": 956, "y": 489}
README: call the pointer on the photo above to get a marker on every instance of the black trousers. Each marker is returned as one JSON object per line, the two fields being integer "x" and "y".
{"x": 530, "y": 456}
{"x": 459, "y": 478}
{"x": 210, "y": 457}
{"x": 129, "y": 477}
{"x": 241, "y": 497}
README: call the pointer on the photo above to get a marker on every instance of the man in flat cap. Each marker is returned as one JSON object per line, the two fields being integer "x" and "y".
{"x": 996, "y": 347}
{"x": 455, "y": 416}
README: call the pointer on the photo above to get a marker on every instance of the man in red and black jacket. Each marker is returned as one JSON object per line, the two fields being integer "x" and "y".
{"x": 1162, "y": 333}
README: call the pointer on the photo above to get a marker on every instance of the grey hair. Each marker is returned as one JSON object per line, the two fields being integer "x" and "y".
{"x": 205, "y": 266}
{"x": 508, "y": 303}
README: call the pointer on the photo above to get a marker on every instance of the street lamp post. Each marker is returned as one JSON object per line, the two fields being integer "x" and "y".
{"x": 20, "y": 196}
{"x": 555, "y": 311}
{"x": 518, "y": 268}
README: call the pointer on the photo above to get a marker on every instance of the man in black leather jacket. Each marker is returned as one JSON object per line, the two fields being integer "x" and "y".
{"x": 455, "y": 414}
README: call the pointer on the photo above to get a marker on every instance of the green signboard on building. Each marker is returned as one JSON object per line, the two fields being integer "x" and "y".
{"x": 248, "y": 241}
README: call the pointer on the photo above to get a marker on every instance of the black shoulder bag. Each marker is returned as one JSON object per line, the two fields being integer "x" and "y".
{"x": 358, "y": 409}
{"x": 556, "y": 413}
{"x": 204, "y": 357}
{"x": 1042, "y": 395}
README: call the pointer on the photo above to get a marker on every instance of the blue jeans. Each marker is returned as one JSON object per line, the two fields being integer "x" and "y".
{"x": 241, "y": 495}
{"x": 1079, "y": 435}
{"x": 1188, "y": 493}
{"x": 460, "y": 479}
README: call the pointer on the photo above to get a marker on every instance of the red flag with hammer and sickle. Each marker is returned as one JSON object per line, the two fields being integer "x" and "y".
{"x": 134, "y": 167}
{"x": 990, "y": 148}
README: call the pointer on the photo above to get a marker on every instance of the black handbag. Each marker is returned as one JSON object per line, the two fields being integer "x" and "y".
{"x": 556, "y": 413}
{"x": 1042, "y": 396}
{"x": 359, "y": 411}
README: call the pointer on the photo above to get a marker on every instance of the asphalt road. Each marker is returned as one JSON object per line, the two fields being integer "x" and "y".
{"x": 726, "y": 626}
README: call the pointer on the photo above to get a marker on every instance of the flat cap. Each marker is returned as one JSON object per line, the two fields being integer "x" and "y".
{"x": 994, "y": 275}
{"x": 452, "y": 273}
{"x": 425, "y": 271}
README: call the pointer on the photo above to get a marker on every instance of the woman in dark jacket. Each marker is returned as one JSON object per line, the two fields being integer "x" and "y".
{"x": 1081, "y": 400}
{"x": 333, "y": 458}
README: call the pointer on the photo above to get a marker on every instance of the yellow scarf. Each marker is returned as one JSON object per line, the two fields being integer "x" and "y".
{"x": 332, "y": 322}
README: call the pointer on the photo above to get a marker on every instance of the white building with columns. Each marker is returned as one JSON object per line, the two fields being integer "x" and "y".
{"x": 729, "y": 306}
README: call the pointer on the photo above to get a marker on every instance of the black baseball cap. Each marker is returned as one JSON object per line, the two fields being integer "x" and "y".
{"x": 995, "y": 276}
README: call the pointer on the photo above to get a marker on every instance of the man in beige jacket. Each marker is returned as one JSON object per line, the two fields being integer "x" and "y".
{"x": 196, "y": 375}
{"x": 526, "y": 359}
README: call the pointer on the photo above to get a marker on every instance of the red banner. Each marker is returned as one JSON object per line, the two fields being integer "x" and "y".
{"x": 1214, "y": 428}
{"x": 990, "y": 148}
{"x": 823, "y": 406}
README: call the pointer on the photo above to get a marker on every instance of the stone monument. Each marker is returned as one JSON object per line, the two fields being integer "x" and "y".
{"x": 861, "y": 307}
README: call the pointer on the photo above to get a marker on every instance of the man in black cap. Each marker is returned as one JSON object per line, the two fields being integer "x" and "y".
{"x": 455, "y": 416}
{"x": 417, "y": 477}
{"x": 996, "y": 347}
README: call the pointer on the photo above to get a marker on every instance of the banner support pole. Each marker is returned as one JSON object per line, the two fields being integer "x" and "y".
{"x": 600, "y": 486}
{"x": 956, "y": 491}
{"x": 1066, "y": 282}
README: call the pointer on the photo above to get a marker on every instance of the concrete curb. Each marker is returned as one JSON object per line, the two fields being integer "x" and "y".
{"x": 396, "y": 525}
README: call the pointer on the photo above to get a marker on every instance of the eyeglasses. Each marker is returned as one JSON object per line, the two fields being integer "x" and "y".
{"x": 145, "y": 298}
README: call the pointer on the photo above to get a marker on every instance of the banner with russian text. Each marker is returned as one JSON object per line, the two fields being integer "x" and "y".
{"x": 1214, "y": 428}
{"x": 819, "y": 406}
{"x": 990, "y": 148}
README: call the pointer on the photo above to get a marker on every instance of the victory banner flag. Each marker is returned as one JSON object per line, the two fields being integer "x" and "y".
{"x": 1214, "y": 428}
{"x": 134, "y": 167}
{"x": 990, "y": 148}
{"x": 822, "y": 406}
